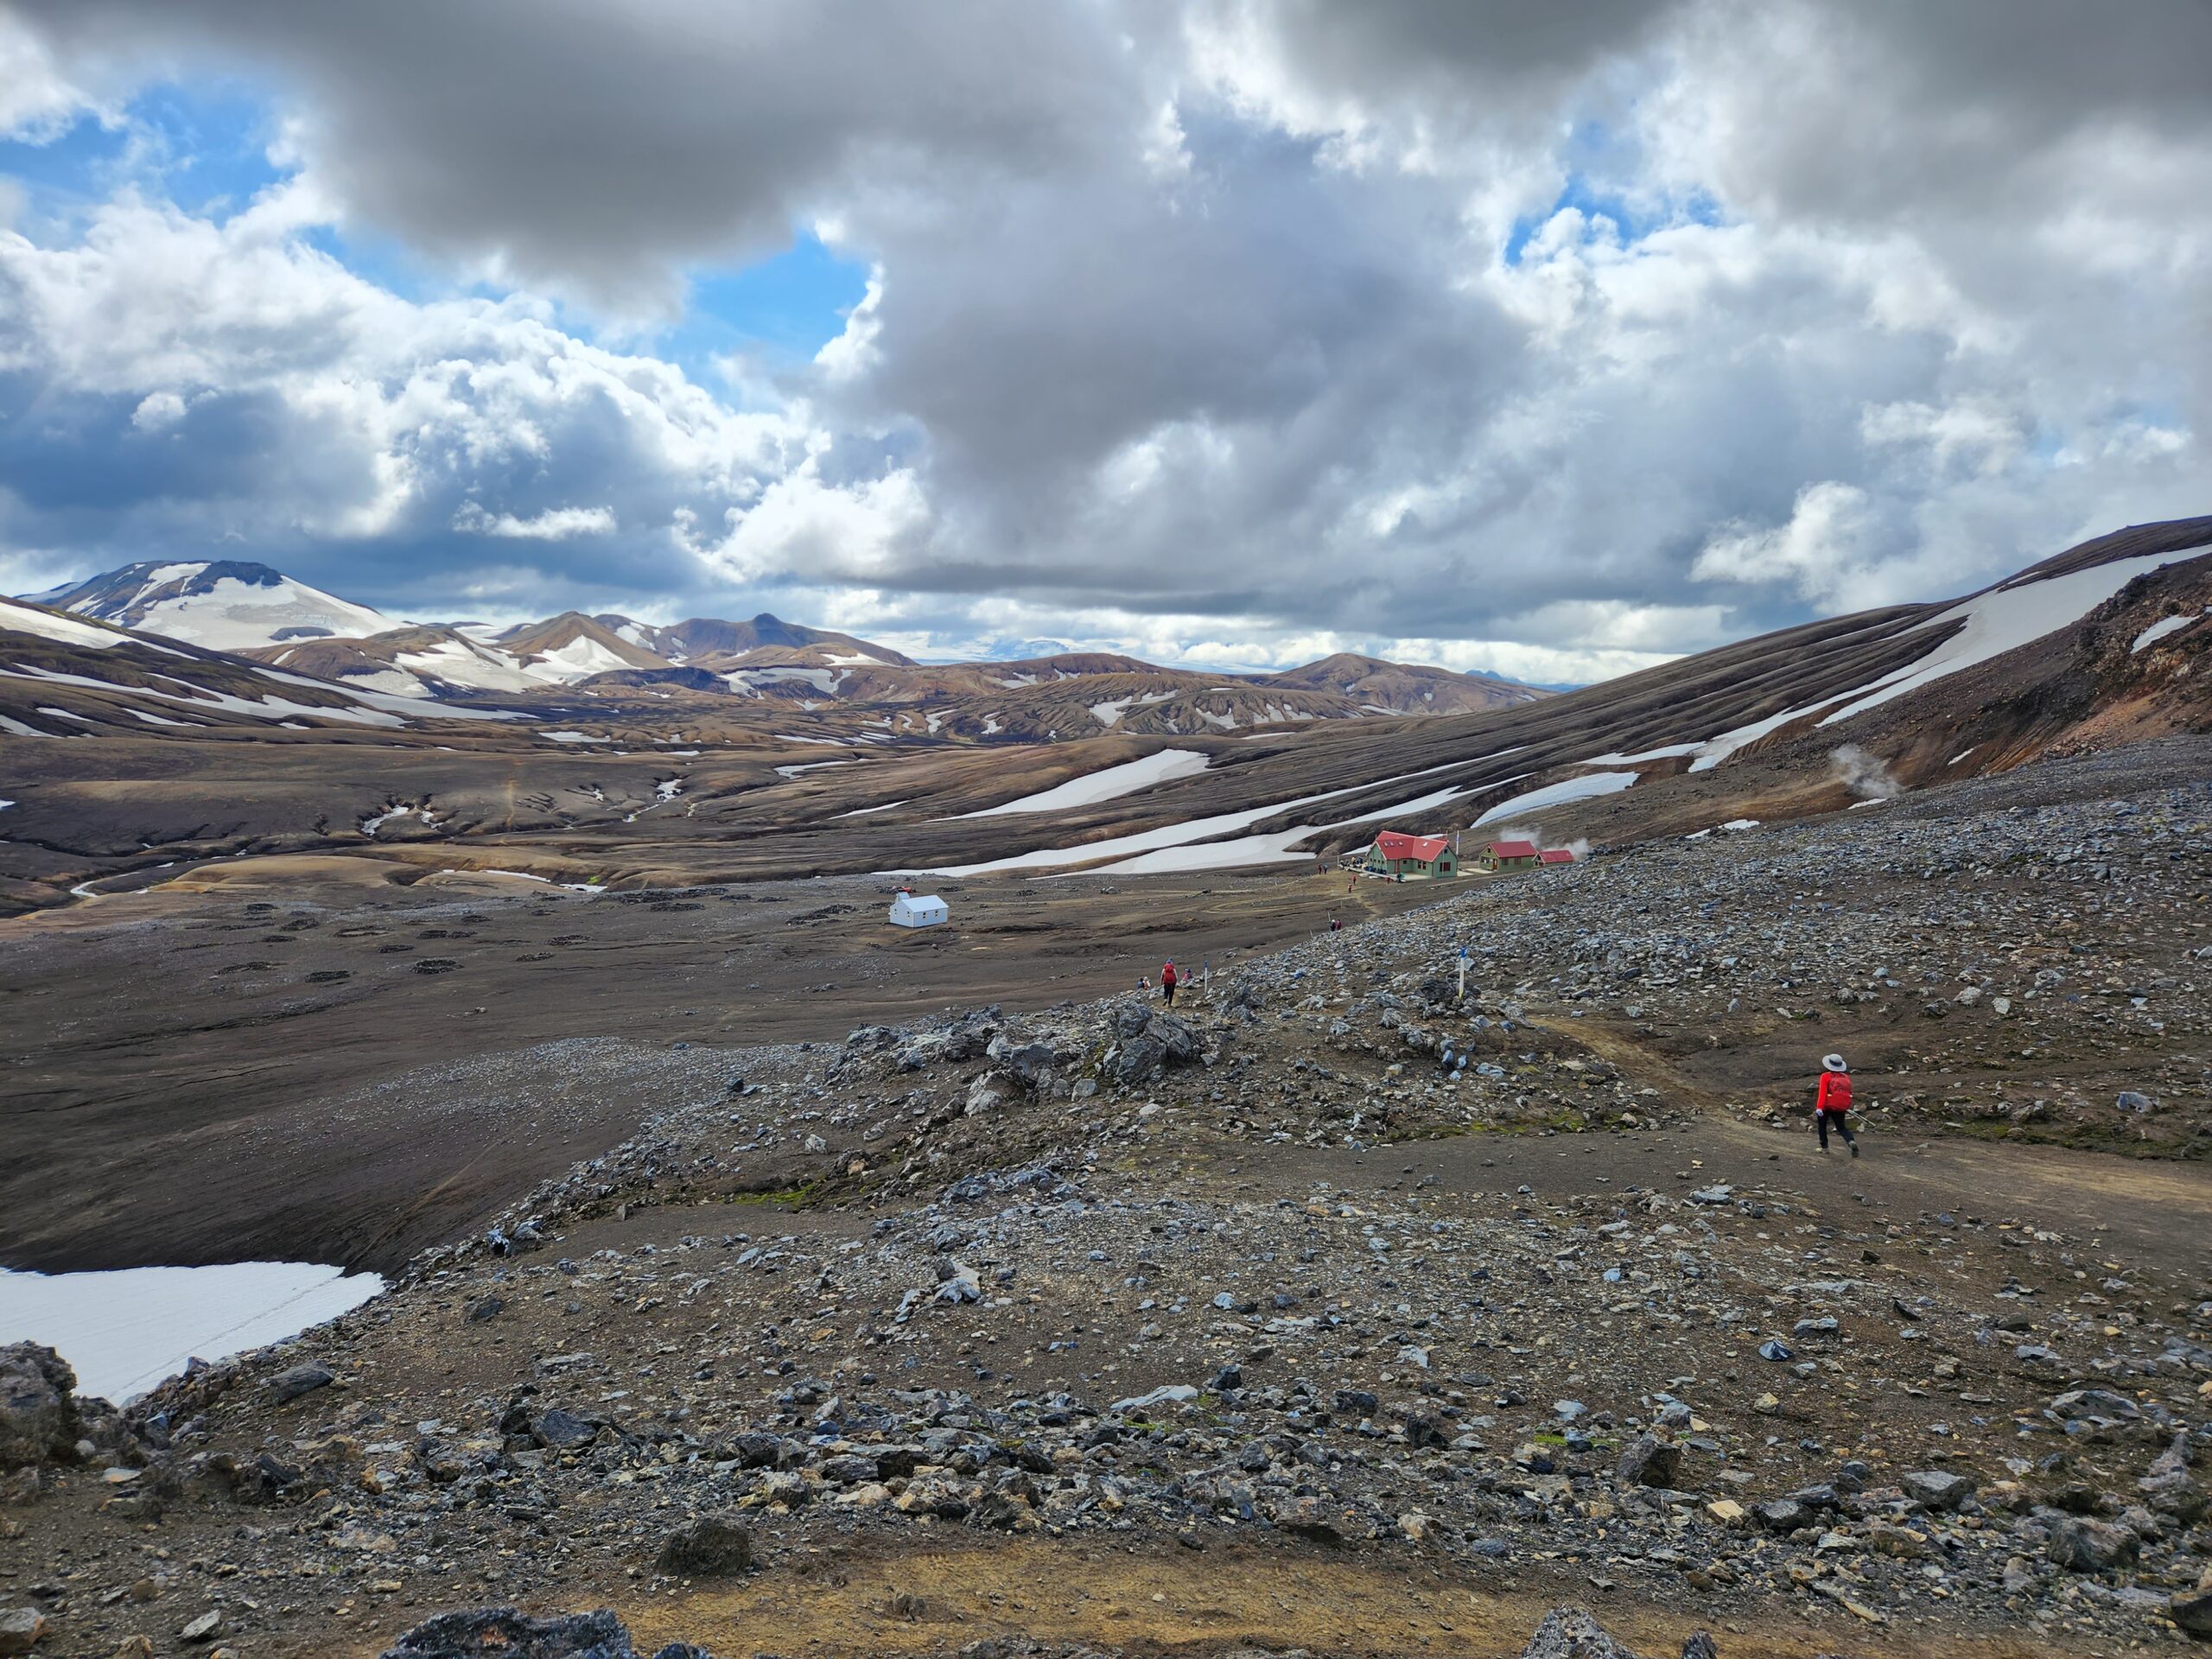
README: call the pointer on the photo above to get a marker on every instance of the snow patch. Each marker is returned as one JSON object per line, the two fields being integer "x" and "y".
{"x": 581, "y": 658}
{"x": 2162, "y": 627}
{"x": 1572, "y": 789}
{"x": 393, "y": 682}
{"x": 1107, "y": 783}
{"x": 24, "y": 619}
{"x": 1672, "y": 750}
{"x": 124, "y": 1331}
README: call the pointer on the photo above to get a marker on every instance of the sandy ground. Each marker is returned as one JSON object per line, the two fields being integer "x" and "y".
{"x": 251, "y": 1063}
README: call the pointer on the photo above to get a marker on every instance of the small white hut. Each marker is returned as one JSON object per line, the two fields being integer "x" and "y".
{"x": 917, "y": 910}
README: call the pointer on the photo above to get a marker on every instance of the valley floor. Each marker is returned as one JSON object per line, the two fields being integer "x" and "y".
{"x": 1333, "y": 1311}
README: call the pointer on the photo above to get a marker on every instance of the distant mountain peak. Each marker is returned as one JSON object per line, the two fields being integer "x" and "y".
{"x": 223, "y": 604}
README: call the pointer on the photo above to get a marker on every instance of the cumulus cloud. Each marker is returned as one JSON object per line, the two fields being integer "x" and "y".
{"x": 1554, "y": 339}
{"x": 554, "y": 524}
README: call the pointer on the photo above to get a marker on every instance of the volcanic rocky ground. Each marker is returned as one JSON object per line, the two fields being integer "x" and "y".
{"x": 1077, "y": 1325}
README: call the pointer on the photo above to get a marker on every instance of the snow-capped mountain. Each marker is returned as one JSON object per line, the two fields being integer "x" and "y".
{"x": 259, "y": 612}
{"x": 702, "y": 637}
{"x": 223, "y": 604}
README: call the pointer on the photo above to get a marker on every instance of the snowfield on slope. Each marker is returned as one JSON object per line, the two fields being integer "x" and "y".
{"x": 1584, "y": 788}
{"x": 2002, "y": 619}
{"x": 24, "y": 618}
{"x": 1109, "y": 783}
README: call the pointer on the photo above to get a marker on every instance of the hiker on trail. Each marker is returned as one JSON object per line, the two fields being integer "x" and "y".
{"x": 1832, "y": 1102}
{"x": 1335, "y": 926}
{"x": 1167, "y": 984}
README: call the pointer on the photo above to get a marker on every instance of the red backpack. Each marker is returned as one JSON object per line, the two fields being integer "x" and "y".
{"x": 1835, "y": 1092}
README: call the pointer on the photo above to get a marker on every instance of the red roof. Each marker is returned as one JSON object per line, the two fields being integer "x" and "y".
{"x": 1555, "y": 856}
{"x": 1512, "y": 849}
{"x": 1426, "y": 849}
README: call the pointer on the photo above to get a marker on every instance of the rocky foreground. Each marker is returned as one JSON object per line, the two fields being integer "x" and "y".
{"x": 1532, "y": 1293}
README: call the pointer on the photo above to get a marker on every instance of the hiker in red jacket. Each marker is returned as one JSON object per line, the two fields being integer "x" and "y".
{"x": 1832, "y": 1102}
{"x": 1167, "y": 984}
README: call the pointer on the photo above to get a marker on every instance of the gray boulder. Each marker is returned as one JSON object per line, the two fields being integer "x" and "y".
{"x": 969, "y": 1039}
{"x": 1936, "y": 1489}
{"x": 38, "y": 1407}
{"x": 1647, "y": 1461}
{"x": 1783, "y": 1515}
{"x": 504, "y": 1633}
{"x": 1030, "y": 1066}
{"x": 2191, "y": 1610}
{"x": 708, "y": 1548}
{"x": 287, "y": 1385}
{"x": 22, "y": 1628}
{"x": 565, "y": 1430}
{"x": 2081, "y": 1545}
{"x": 1138, "y": 1061}
{"x": 2096, "y": 1405}
{"x": 1572, "y": 1633}
{"x": 1177, "y": 1037}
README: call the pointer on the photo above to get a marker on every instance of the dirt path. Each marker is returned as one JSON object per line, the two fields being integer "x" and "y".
{"x": 2138, "y": 1203}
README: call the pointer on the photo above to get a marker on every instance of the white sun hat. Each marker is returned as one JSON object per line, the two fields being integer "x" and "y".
{"x": 1834, "y": 1063}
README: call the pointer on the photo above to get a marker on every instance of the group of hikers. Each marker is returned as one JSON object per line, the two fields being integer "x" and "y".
{"x": 1169, "y": 979}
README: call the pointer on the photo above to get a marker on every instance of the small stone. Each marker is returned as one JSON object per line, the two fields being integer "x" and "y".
{"x": 287, "y": 1385}
{"x": 1936, "y": 1489}
{"x": 22, "y": 1628}
{"x": 203, "y": 1628}
{"x": 2192, "y": 1611}
{"x": 563, "y": 1430}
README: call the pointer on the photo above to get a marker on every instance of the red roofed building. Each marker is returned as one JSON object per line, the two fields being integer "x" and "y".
{"x": 1412, "y": 857}
{"x": 1507, "y": 855}
{"x": 1555, "y": 856}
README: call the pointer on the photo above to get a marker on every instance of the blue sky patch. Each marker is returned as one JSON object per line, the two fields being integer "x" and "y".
{"x": 1631, "y": 222}
{"x": 205, "y": 148}
{"x": 781, "y": 310}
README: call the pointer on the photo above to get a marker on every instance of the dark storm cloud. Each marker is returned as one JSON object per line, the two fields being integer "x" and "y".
{"x": 1196, "y": 312}
{"x": 605, "y": 144}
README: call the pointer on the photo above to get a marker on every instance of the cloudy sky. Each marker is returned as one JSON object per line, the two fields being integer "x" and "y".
{"x": 1226, "y": 331}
